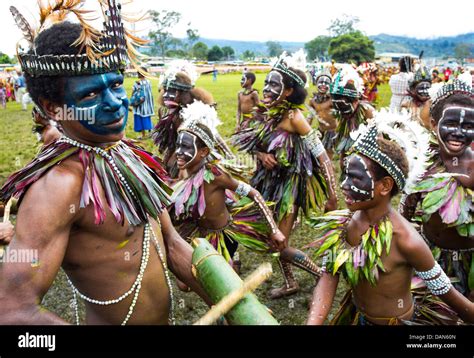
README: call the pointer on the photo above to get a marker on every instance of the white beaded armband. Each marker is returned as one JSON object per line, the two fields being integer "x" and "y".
{"x": 314, "y": 143}
{"x": 436, "y": 280}
{"x": 243, "y": 189}
{"x": 430, "y": 274}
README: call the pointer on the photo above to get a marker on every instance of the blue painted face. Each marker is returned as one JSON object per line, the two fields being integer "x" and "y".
{"x": 98, "y": 102}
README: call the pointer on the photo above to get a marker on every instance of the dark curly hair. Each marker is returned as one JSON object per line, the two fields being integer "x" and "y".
{"x": 56, "y": 40}
{"x": 250, "y": 76}
{"x": 396, "y": 153}
{"x": 458, "y": 99}
{"x": 299, "y": 92}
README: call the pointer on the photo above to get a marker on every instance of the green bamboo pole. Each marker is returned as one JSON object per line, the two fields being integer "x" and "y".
{"x": 219, "y": 280}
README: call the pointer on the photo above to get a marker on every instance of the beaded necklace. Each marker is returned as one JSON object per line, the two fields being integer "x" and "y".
{"x": 136, "y": 286}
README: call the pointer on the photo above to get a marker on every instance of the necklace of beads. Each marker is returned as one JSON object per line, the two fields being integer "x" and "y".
{"x": 136, "y": 285}
{"x": 146, "y": 248}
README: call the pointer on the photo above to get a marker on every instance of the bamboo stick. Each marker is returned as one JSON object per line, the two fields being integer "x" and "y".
{"x": 254, "y": 280}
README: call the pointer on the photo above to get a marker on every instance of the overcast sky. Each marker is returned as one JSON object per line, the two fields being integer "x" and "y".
{"x": 290, "y": 20}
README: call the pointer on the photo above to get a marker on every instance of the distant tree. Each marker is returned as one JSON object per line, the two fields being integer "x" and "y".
{"x": 228, "y": 52}
{"x": 192, "y": 37}
{"x": 462, "y": 51}
{"x": 176, "y": 48}
{"x": 200, "y": 50}
{"x": 215, "y": 54}
{"x": 353, "y": 47}
{"x": 4, "y": 58}
{"x": 345, "y": 25}
{"x": 248, "y": 55}
{"x": 274, "y": 49}
{"x": 317, "y": 47}
{"x": 163, "y": 22}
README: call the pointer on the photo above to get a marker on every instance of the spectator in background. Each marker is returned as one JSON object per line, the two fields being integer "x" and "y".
{"x": 3, "y": 95}
{"x": 399, "y": 83}
{"x": 465, "y": 76}
{"x": 435, "y": 78}
{"x": 20, "y": 87}
{"x": 25, "y": 101}
{"x": 142, "y": 112}
{"x": 214, "y": 73}
{"x": 447, "y": 73}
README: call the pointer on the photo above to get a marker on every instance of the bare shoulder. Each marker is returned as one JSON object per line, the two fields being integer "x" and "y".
{"x": 406, "y": 238}
{"x": 223, "y": 179}
{"x": 298, "y": 122}
{"x": 56, "y": 191}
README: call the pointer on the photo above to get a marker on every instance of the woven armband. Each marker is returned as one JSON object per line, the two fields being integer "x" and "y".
{"x": 313, "y": 143}
{"x": 243, "y": 189}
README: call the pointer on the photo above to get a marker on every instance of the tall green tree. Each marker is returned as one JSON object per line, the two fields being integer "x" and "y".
{"x": 200, "y": 50}
{"x": 228, "y": 52}
{"x": 352, "y": 47}
{"x": 215, "y": 54}
{"x": 5, "y": 59}
{"x": 160, "y": 36}
{"x": 274, "y": 49}
{"x": 317, "y": 47}
{"x": 192, "y": 37}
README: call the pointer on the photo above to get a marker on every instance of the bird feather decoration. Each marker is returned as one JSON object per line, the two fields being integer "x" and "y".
{"x": 22, "y": 23}
{"x": 199, "y": 112}
{"x": 54, "y": 11}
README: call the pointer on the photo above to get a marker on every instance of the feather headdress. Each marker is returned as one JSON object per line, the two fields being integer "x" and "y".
{"x": 168, "y": 78}
{"x": 347, "y": 74}
{"x": 296, "y": 61}
{"x": 99, "y": 51}
{"x": 413, "y": 138}
{"x": 198, "y": 115}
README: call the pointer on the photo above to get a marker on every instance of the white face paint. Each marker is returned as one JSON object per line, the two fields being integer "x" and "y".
{"x": 358, "y": 184}
{"x": 186, "y": 148}
{"x": 456, "y": 129}
{"x": 273, "y": 89}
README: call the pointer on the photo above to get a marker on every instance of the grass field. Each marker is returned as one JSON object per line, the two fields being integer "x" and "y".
{"x": 18, "y": 146}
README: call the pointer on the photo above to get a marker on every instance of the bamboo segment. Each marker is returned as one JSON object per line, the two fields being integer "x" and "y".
{"x": 255, "y": 279}
{"x": 219, "y": 280}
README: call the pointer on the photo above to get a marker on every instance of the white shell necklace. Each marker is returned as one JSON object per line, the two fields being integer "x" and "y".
{"x": 136, "y": 285}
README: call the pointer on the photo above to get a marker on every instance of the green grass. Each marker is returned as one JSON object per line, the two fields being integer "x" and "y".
{"x": 18, "y": 146}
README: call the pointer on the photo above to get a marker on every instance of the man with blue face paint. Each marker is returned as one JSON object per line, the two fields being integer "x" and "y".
{"x": 91, "y": 202}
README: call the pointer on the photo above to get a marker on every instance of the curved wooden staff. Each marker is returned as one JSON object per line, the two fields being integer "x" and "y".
{"x": 255, "y": 279}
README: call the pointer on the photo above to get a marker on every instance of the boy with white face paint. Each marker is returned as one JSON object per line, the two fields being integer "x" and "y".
{"x": 293, "y": 169}
{"x": 419, "y": 101}
{"x": 322, "y": 104}
{"x": 374, "y": 247}
{"x": 177, "y": 90}
{"x": 349, "y": 110}
{"x": 199, "y": 206}
{"x": 440, "y": 200}
{"x": 247, "y": 99}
